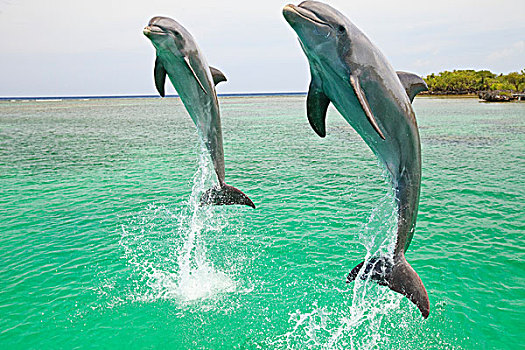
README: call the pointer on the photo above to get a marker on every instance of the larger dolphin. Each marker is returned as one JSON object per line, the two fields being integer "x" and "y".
{"x": 179, "y": 57}
{"x": 349, "y": 71}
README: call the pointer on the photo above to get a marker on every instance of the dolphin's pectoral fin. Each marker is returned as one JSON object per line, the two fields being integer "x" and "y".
{"x": 217, "y": 75}
{"x": 398, "y": 276}
{"x": 225, "y": 195}
{"x": 316, "y": 106}
{"x": 194, "y": 74}
{"x": 364, "y": 104}
{"x": 159, "y": 73}
{"x": 412, "y": 83}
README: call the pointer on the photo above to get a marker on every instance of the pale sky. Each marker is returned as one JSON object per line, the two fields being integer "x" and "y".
{"x": 96, "y": 47}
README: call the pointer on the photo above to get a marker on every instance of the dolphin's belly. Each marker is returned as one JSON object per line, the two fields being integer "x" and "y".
{"x": 203, "y": 109}
{"x": 397, "y": 150}
{"x": 400, "y": 152}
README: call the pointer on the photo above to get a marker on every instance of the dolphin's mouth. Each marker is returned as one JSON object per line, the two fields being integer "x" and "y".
{"x": 304, "y": 13}
{"x": 153, "y": 30}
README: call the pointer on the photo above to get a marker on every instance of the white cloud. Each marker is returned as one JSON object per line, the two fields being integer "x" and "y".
{"x": 515, "y": 50}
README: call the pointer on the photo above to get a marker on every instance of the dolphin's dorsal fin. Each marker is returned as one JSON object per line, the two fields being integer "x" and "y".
{"x": 159, "y": 74}
{"x": 217, "y": 75}
{"x": 316, "y": 106}
{"x": 412, "y": 83}
{"x": 194, "y": 74}
{"x": 354, "y": 81}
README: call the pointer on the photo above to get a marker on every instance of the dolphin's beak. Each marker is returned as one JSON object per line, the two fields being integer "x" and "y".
{"x": 291, "y": 14}
{"x": 152, "y": 30}
{"x": 289, "y": 7}
{"x": 289, "y": 11}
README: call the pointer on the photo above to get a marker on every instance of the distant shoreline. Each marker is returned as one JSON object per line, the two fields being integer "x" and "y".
{"x": 246, "y": 94}
{"x": 251, "y": 94}
{"x": 255, "y": 94}
{"x": 425, "y": 94}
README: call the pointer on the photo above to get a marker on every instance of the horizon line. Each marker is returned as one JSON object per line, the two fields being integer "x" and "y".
{"x": 74, "y": 97}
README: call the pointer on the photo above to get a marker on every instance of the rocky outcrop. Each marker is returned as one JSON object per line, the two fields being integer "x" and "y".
{"x": 496, "y": 96}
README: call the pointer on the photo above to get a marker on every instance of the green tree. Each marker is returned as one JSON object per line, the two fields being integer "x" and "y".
{"x": 517, "y": 80}
{"x": 471, "y": 81}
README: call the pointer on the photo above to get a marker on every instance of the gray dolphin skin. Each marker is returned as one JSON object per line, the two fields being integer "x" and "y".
{"x": 179, "y": 57}
{"x": 349, "y": 71}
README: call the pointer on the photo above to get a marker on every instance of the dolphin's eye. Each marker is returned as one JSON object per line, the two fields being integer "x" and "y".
{"x": 176, "y": 33}
{"x": 340, "y": 29}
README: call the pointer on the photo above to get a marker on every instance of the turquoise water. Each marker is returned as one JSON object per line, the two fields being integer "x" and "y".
{"x": 102, "y": 244}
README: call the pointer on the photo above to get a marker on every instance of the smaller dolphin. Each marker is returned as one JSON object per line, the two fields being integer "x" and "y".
{"x": 348, "y": 71}
{"x": 179, "y": 57}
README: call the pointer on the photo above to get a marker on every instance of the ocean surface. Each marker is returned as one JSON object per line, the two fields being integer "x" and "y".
{"x": 103, "y": 245}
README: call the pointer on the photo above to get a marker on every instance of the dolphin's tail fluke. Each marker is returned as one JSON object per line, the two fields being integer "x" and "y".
{"x": 398, "y": 275}
{"x": 225, "y": 195}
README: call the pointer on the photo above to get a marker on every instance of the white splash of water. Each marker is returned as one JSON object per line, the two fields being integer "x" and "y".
{"x": 371, "y": 302}
{"x": 359, "y": 322}
{"x": 197, "y": 277}
{"x": 168, "y": 253}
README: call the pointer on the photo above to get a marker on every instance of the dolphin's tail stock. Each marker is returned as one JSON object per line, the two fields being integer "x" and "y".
{"x": 225, "y": 195}
{"x": 398, "y": 275}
